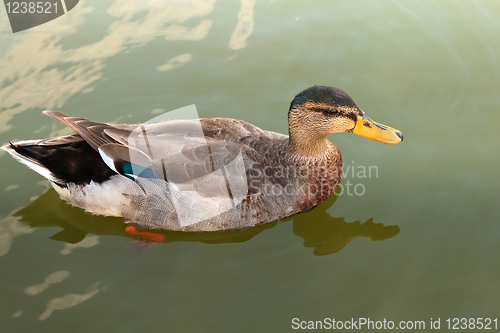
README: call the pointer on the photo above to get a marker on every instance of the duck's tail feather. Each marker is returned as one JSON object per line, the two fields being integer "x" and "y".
{"x": 61, "y": 160}
{"x": 26, "y": 157}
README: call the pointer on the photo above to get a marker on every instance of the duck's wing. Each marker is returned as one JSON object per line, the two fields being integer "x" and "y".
{"x": 190, "y": 154}
{"x": 91, "y": 131}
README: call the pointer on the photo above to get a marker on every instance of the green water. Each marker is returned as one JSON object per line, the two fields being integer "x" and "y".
{"x": 421, "y": 242}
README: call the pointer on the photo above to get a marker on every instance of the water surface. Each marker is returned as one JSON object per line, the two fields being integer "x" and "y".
{"x": 420, "y": 243}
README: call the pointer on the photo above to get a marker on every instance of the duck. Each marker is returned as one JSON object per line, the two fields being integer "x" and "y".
{"x": 200, "y": 175}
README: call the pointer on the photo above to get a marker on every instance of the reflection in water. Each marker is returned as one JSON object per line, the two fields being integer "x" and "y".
{"x": 319, "y": 230}
{"x": 17, "y": 314}
{"x": 157, "y": 14}
{"x": 175, "y": 62}
{"x": 244, "y": 27}
{"x": 11, "y": 187}
{"x": 48, "y": 210}
{"x": 59, "y": 303}
{"x": 88, "y": 241}
{"x": 10, "y": 227}
{"x": 56, "y": 277}
{"x": 48, "y": 80}
{"x": 69, "y": 300}
{"x": 327, "y": 234}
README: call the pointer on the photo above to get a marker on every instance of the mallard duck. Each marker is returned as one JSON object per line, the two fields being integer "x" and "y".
{"x": 202, "y": 174}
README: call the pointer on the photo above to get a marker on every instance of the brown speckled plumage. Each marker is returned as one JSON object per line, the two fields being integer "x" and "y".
{"x": 285, "y": 175}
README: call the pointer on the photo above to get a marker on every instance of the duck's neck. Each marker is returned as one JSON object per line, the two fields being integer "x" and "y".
{"x": 303, "y": 141}
{"x": 307, "y": 146}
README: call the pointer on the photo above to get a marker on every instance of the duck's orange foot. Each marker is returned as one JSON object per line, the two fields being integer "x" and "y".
{"x": 145, "y": 236}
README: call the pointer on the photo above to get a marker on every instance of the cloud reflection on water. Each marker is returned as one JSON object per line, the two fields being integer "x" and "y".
{"x": 38, "y": 72}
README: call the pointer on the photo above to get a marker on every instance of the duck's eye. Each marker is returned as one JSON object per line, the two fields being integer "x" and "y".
{"x": 329, "y": 111}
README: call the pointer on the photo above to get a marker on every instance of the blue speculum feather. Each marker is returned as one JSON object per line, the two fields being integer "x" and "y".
{"x": 138, "y": 170}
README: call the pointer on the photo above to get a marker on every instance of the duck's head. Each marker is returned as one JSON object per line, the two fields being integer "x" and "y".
{"x": 321, "y": 110}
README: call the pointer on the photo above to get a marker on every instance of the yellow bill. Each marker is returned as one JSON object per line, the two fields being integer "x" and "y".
{"x": 376, "y": 132}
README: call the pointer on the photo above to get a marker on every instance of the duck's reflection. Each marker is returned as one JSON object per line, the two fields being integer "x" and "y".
{"x": 328, "y": 234}
{"x": 319, "y": 230}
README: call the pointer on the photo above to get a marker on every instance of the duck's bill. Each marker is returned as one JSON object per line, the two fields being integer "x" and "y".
{"x": 377, "y": 132}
